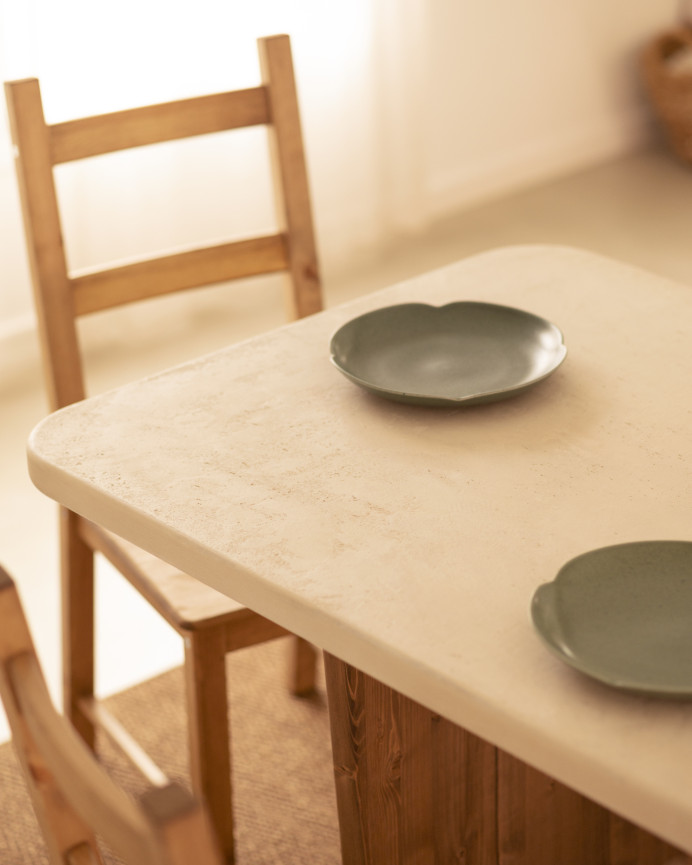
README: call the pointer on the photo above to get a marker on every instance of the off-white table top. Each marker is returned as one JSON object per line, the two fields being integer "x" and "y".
{"x": 408, "y": 541}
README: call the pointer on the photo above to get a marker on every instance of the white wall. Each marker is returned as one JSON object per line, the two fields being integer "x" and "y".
{"x": 412, "y": 109}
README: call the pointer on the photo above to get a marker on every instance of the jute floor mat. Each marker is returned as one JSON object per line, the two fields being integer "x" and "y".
{"x": 285, "y": 808}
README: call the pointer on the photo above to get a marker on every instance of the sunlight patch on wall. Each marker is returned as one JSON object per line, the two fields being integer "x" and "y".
{"x": 93, "y": 58}
{"x": 100, "y": 57}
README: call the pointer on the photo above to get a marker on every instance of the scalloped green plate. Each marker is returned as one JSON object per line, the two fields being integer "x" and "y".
{"x": 462, "y": 353}
{"x": 623, "y": 615}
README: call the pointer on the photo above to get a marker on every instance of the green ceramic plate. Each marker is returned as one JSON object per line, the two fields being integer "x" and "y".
{"x": 461, "y": 353}
{"x": 623, "y": 615}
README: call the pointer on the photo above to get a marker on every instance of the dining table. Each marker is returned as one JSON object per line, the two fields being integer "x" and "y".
{"x": 407, "y": 539}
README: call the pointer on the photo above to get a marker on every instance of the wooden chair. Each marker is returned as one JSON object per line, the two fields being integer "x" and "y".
{"x": 210, "y": 623}
{"x": 74, "y": 798}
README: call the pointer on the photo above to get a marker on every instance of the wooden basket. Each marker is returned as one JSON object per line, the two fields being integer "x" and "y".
{"x": 667, "y": 73}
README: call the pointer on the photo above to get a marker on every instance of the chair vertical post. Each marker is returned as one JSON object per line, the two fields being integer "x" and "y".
{"x": 48, "y": 265}
{"x": 303, "y": 669}
{"x": 291, "y": 179}
{"x": 208, "y": 729}
{"x": 77, "y": 586}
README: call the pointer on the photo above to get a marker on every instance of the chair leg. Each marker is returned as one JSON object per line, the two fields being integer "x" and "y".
{"x": 209, "y": 730}
{"x": 77, "y": 582}
{"x": 303, "y": 671}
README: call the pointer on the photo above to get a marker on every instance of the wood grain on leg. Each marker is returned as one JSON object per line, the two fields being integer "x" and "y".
{"x": 411, "y": 787}
{"x": 543, "y": 822}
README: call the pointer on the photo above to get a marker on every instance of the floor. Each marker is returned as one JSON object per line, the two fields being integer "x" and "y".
{"x": 637, "y": 209}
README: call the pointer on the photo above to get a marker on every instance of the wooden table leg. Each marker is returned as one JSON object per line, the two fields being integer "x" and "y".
{"x": 415, "y": 789}
{"x": 398, "y": 801}
{"x": 542, "y": 822}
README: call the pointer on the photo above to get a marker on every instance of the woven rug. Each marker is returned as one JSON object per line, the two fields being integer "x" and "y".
{"x": 285, "y": 808}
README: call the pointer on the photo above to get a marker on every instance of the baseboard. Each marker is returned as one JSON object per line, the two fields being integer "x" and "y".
{"x": 510, "y": 170}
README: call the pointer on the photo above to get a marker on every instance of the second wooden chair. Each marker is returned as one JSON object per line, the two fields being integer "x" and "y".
{"x": 74, "y": 799}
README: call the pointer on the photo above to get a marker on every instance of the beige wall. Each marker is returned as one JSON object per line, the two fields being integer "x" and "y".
{"x": 412, "y": 109}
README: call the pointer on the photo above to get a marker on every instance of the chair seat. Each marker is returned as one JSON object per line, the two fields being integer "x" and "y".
{"x": 185, "y": 602}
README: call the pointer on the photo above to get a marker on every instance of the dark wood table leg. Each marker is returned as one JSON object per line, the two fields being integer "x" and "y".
{"x": 542, "y": 822}
{"x": 398, "y": 801}
{"x": 414, "y": 789}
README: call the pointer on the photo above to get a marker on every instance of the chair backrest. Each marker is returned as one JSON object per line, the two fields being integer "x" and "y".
{"x": 61, "y": 296}
{"x": 73, "y": 796}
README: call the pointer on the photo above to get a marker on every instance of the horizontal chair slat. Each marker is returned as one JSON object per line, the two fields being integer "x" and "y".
{"x": 117, "y": 733}
{"x": 120, "y": 130}
{"x": 104, "y": 289}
